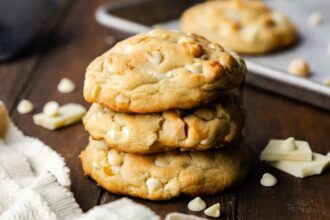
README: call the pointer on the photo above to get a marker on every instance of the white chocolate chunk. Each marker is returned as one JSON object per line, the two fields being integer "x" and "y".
{"x": 274, "y": 151}
{"x": 196, "y": 205}
{"x": 153, "y": 185}
{"x": 161, "y": 162}
{"x": 155, "y": 57}
{"x": 25, "y": 106}
{"x": 289, "y": 144}
{"x": 68, "y": 114}
{"x": 114, "y": 158}
{"x": 96, "y": 165}
{"x": 268, "y": 180}
{"x": 65, "y": 86}
{"x": 213, "y": 211}
{"x": 173, "y": 186}
{"x": 314, "y": 19}
{"x": 194, "y": 68}
{"x": 51, "y": 108}
{"x": 303, "y": 169}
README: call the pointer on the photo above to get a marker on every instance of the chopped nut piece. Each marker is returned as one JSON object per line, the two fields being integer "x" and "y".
{"x": 153, "y": 185}
{"x": 268, "y": 180}
{"x": 213, "y": 211}
{"x": 51, "y": 108}
{"x": 299, "y": 67}
{"x": 314, "y": 19}
{"x": 25, "y": 106}
{"x": 66, "y": 86}
{"x": 68, "y": 114}
{"x": 196, "y": 205}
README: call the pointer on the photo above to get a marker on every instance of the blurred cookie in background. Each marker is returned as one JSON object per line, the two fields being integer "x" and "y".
{"x": 247, "y": 27}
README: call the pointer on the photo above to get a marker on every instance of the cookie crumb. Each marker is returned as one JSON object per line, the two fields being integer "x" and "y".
{"x": 25, "y": 106}
{"x": 314, "y": 19}
{"x": 213, "y": 211}
{"x": 196, "y": 205}
{"x": 268, "y": 180}
{"x": 299, "y": 67}
{"x": 65, "y": 86}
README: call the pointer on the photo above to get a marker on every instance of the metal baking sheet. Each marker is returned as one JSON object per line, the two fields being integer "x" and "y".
{"x": 264, "y": 69}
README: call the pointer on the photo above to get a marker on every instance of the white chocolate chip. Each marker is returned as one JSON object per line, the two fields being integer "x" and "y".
{"x": 196, "y": 205}
{"x": 327, "y": 81}
{"x": 185, "y": 40}
{"x": 268, "y": 180}
{"x": 278, "y": 17}
{"x": 115, "y": 169}
{"x": 299, "y": 67}
{"x": 206, "y": 141}
{"x": 314, "y": 19}
{"x": 213, "y": 211}
{"x": 96, "y": 165}
{"x": 150, "y": 139}
{"x": 125, "y": 133}
{"x": 25, "y": 106}
{"x": 251, "y": 32}
{"x": 195, "y": 67}
{"x": 114, "y": 158}
{"x": 112, "y": 134}
{"x": 128, "y": 49}
{"x": 65, "y": 86}
{"x": 153, "y": 185}
{"x": 51, "y": 108}
{"x": 173, "y": 186}
{"x": 161, "y": 162}
{"x": 155, "y": 57}
{"x": 289, "y": 144}
{"x": 121, "y": 99}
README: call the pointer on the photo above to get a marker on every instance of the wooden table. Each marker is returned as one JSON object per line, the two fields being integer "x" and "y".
{"x": 77, "y": 39}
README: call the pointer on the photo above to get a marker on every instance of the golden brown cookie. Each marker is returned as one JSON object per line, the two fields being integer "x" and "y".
{"x": 215, "y": 124}
{"x": 248, "y": 27}
{"x": 161, "y": 70}
{"x": 165, "y": 175}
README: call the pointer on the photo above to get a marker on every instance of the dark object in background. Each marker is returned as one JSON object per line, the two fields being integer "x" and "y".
{"x": 22, "y": 21}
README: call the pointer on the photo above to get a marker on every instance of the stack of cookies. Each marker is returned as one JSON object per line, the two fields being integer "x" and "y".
{"x": 163, "y": 121}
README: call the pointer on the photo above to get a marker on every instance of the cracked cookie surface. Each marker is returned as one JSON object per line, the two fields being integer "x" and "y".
{"x": 161, "y": 70}
{"x": 214, "y": 124}
{"x": 248, "y": 27}
{"x": 165, "y": 175}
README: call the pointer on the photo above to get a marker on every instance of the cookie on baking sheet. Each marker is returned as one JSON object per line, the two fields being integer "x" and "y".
{"x": 161, "y": 70}
{"x": 165, "y": 175}
{"x": 247, "y": 27}
{"x": 214, "y": 124}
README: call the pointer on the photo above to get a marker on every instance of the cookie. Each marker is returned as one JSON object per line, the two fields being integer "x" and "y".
{"x": 165, "y": 175}
{"x": 161, "y": 70}
{"x": 214, "y": 124}
{"x": 247, "y": 27}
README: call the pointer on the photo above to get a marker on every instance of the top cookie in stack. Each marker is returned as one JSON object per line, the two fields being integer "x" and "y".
{"x": 162, "y": 70}
{"x": 163, "y": 91}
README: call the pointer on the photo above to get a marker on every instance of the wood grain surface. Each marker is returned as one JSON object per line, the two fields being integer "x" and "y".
{"x": 77, "y": 39}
